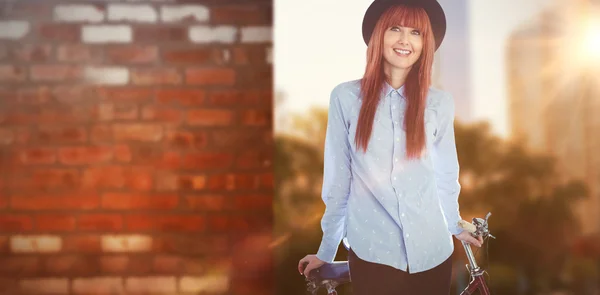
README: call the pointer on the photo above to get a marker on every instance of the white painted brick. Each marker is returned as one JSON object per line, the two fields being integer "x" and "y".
{"x": 13, "y": 29}
{"x": 35, "y": 244}
{"x": 107, "y": 75}
{"x": 269, "y": 55}
{"x": 151, "y": 284}
{"x": 106, "y": 34}
{"x": 257, "y": 34}
{"x": 126, "y": 243}
{"x": 183, "y": 12}
{"x": 110, "y": 285}
{"x": 132, "y": 13}
{"x": 45, "y": 286}
{"x": 206, "y": 34}
{"x": 78, "y": 13}
{"x": 208, "y": 284}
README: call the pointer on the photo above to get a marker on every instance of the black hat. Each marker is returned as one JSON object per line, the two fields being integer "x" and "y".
{"x": 432, "y": 8}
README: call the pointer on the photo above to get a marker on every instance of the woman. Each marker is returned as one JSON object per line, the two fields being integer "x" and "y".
{"x": 390, "y": 182}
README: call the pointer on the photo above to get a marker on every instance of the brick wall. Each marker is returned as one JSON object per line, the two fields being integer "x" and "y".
{"x": 136, "y": 147}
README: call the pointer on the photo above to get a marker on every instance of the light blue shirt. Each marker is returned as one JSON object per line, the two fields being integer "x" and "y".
{"x": 393, "y": 211}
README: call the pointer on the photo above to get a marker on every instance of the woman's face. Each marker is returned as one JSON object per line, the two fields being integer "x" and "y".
{"x": 402, "y": 47}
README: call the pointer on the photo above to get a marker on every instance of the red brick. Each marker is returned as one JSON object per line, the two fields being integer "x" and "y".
{"x": 238, "y": 97}
{"x": 73, "y": 94}
{"x": 81, "y": 201}
{"x": 20, "y": 265}
{"x": 192, "y": 182}
{"x": 202, "y": 161}
{"x": 210, "y": 76}
{"x": 51, "y": 115}
{"x": 221, "y": 182}
{"x": 112, "y": 177}
{"x": 156, "y": 157}
{"x": 167, "y": 264}
{"x": 71, "y": 264}
{"x": 218, "y": 223}
{"x": 101, "y": 133}
{"x": 37, "y": 10}
{"x": 159, "y": 35}
{"x": 256, "y": 117}
{"x": 187, "y": 139}
{"x": 114, "y": 263}
{"x": 56, "y": 73}
{"x": 212, "y": 203}
{"x": 85, "y": 155}
{"x": 213, "y": 244}
{"x": 241, "y": 14}
{"x": 55, "y": 222}
{"x": 250, "y": 55}
{"x": 33, "y": 52}
{"x": 195, "y": 56}
{"x": 116, "y": 111}
{"x": 78, "y": 53}
{"x": 37, "y": 156}
{"x": 267, "y": 180}
{"x": 82, "y": 244}
{"x": 255, "y": 76}
{"x": 7, "y": 136}
{"x": 27, "y": 96}
{"x": 254, "y": 159}
{"x": 184, "y": 97}
{"x": 156, "y": 76}
{"x": 250, "y": 222}
{"x": 163, "y": 114}
{"x": 100, "y": 222}
{"x": 15, "y": 223}
{"x": 122, "y": 153}
{"x": 253, "y": 202}
{"x": 54, "y": 135}
{"x": 210, "y": 117}
{"x": 60, "y": 32}
{"x": 126, "y": 94}
{"x": 11, "y": 73}
{"x": 132, "y": 54}
{"x": 128, "y": 201}
{"x": 170, "y": 223}
{"x": 138, "y": 132}
{"x": 252, "y": 285}
{"x": 228, "y": 139}
{"x": 43, "y": 179}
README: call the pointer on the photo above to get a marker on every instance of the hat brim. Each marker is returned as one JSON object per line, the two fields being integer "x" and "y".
{"x": 433, "y": 9}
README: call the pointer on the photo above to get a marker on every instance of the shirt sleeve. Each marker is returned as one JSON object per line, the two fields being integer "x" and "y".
{"x": 336, "y": 180}
{"x": 445, "y": 161}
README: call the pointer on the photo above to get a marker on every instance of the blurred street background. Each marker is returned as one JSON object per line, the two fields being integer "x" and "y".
{"x": 526, "y": 81}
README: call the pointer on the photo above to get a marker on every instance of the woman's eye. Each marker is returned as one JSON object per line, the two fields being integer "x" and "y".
{"x": 416, "y": 32}
{"x": 395, "y": 29}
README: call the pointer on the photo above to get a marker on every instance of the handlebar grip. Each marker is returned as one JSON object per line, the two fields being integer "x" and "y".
{"x": 467, "y": 226}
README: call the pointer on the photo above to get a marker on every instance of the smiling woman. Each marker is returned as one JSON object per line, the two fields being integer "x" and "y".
{"x": 390, "y": 163}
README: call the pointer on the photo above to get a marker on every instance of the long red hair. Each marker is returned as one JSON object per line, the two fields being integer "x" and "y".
{"x": 416, "y": 85}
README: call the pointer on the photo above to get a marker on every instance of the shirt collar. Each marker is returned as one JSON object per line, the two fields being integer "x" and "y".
{"x": 389, "y": 89}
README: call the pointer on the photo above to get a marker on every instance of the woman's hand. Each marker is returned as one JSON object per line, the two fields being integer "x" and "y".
{"x": 308, "y": 263}
{"x": 466, "y": 237}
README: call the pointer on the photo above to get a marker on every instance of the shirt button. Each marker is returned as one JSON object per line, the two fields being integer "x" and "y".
{"x": 407, "y": 235}
{"x": 402, "y": 215}
{"x": 394, "y": 177}
{"x": 396, "y": 159}
{"x": 397, "y": 138}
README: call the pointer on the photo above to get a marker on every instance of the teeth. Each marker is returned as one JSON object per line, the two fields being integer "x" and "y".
{"x": 402, "y": 51}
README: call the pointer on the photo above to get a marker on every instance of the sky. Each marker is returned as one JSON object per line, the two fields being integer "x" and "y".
{"x": 318, "y": 44}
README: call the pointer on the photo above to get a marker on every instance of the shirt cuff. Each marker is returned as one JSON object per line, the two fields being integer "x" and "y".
{"x": 327, "y": 252}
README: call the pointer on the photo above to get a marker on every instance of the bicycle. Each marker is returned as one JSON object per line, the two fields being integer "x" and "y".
{"x": 331, "y": 275}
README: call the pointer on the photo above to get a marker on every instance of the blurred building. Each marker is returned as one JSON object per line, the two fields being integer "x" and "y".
{"x": 452, "y": 61}
{"x": 553, "y": 92}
